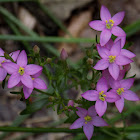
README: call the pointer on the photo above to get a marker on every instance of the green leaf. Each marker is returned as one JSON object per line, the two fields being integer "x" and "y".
{"x": 35, "y": 106}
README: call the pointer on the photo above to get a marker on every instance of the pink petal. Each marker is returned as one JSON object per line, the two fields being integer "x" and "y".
{"x": 27, "y": 92}
{"x": 97, "y": 25}
{"x": 114, "y": 70}
{"x": 92, "y": 111}
{"x": 101, "y": 64}
{"x": 1, "y": 52}
{"x": 27, "y": 81}
{"x": 10, "y": 67}
{"x": 127, "y": 53}
{"x": 39, "y": 83}
{"x": 130, "y": 95}
{"x": 14, "y": 55}
{"x": 3, "y": 74}
{"x": 116, "y": 48}
{"x": 37, "y": 74}
{"x": 102, "y": 85}
{"x": 115, "y": 84}
{"x": 81, "y": 112}
{"x": 88, "y": 130}
{"x": 100, "y": 107}
{"x": 22, "y": 59}
{"x": 19, "y": 84}
{"x": 121, "y": 74}
{"x": 109, "y": 44}
{"x": 117, "y": 18}
{"x": 122, "y": 38}
{"x": 98, "y": 121}
{"x": 117, "y": 31}
{"x": 103, "y": 52}
{"x": 123, "y": 60}
{"x": 105, "y": 14}
{"x": 105, "y": 36}
{"x": 120, "y": 104}
{"x": 78, "y": 123}
{"x": 127, "y": 83}
{"x": 13, "y": 80}
{"x": 90, "y": 95}
{"x": 111, "y": 97}
{"x": 32, "y": 69}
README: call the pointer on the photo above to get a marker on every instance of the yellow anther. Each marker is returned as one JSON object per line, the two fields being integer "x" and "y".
{"x": 112, "y": 58}
{"x": 102, "y": 98}
{"x": 120, "y": 90}
{"x": 106, "y": 21}
{"x": 88, "y": 118}
{"x": 85, "y": 122}
{"x": 33, "y": 78}
{"x": 100, "y": 93}
{"x": 21, "y": 71}
{"x": 104, "y": 95}
{"x": 111, "y": 24}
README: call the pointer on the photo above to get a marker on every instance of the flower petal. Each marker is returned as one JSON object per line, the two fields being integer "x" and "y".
{"x": 127, "y": 83}
{"x": 98, "y": 121}
{"x": 13, "y": 80}
{"x": 1, "y": 52}
{"x": 114, "y": 70}
{"x": 121, "y": 74}
{"x": 102, "y": 85}
{"x": 14, "y": 55}
{"x": 10, "y": 67}
{"x": 39, "y": 83}
{"x": 112, "y": 97}
{"x": 97, "y": 25}
{"x": 92, "y": 111}
{"x": 130, "y": 95}
{"x": 22, "y": 59}
{"x": 3, "y": 74}
{"x": 127, "y": 53}
{"x": 103, "y": 52}
{"x": 81, "y": 112}
{"x": 109, "y": 44}
{"x": 90, "y": 95}
{"x": 116, "y": 48}
{"x": 120, "y": 104}
{"x": 37, "y": 74}
{"x": 117, "y": 31}
{"x": 32, "y": 69}
{"x": 88, "y": 130}
{"x": 123, "y": 60}
{"x": 105, "y": 36}
{"x": 105, "y": 14}
{"x": 100, "y": 107}
{"x": 27, "y": 92}
{"x": 117, "y": 18}
{"x": 122, "y": 38}
{"x": 78, "y": 123}
{"x": 101, "y": 64}
{"x": 27, "y": 81}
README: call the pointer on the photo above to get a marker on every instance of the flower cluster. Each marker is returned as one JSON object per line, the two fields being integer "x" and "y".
{"x": 114, "y": 63}
{"x": 21, "y": 73}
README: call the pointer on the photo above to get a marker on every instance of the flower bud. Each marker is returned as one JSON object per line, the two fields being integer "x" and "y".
{"x": 63, "y": 54}
{"x": 51, "y": 99}
{"x": 49, "y": 60}
{"x": 71, "y": 103}
{"x": 92, "y": 85}
{"x": 90, "y": 61}
{"x": 127, "y": 67}
{"x": 36, "y": 49}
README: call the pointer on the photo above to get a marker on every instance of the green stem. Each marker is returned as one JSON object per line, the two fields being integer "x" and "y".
{"x": 42, "y": 92}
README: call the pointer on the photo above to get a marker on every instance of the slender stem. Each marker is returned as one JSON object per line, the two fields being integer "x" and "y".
{"x": 43, "y": 92}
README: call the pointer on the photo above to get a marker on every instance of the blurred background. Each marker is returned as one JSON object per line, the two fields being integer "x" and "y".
{"x": 59, "y": 18}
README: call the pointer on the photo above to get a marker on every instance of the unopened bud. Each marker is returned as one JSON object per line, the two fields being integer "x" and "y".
{"x": 63, "y": 54}
{"x": 7, "y": 56}
{"x": 90, "y": 61}
{"x": 49, "y": 60}
{"x": 36, "y": 49}
{"x": 71, "y": 103}
{"x": 127, "y": 67}
{"x": 51, "y": 98}
{"x": 30, "y": 60}
{"x": 92, "y": 85}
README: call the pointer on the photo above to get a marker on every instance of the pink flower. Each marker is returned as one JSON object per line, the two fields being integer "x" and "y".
{"x": 21, "y": 71}
{"x": 70, "y": 103}
{"x": 3, "y": 72}
{"x": 113, "y": 59}
{"x": 88, "y": 119}
{"x": 122, "y": 38}
{"x": 108, "y": 25}
{"x": 121, "y": 89}
{"x": 101, "y": 96}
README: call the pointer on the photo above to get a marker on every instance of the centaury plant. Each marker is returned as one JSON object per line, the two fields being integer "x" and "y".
{"x": 108, "y": 82}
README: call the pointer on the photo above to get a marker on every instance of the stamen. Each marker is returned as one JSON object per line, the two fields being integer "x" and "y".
{"x": 21, "y": 71}
{"x": 88, "y": 118}
{"x": 33, "y": 78}
{"x": 120, "y": 90}
{"x": 112, "y": 58}
{"x": 102, "y": 96}
{"x": 109, "y": 24}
